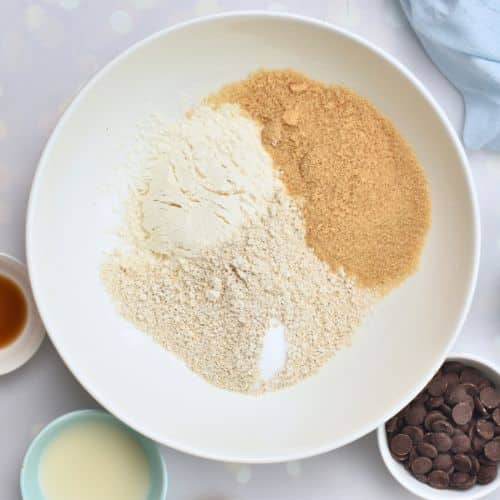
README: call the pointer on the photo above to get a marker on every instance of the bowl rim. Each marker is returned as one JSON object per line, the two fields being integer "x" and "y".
{"x": 85, "y": 415}
{"x": 306, "y": 452}
{"x": 477, "y": 491}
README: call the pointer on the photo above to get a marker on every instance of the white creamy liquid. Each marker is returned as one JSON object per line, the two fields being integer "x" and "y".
{"x": 94, "y": 460}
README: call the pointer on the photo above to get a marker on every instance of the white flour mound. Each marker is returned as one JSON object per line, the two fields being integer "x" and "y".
{"x": 207, "y": 176}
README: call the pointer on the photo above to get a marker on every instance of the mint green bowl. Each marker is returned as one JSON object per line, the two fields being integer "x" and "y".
{"x": 30, "y": 485}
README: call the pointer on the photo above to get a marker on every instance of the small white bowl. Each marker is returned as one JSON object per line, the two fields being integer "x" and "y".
{"x": 15, "y": 354}
{"x": 420, "y": 489}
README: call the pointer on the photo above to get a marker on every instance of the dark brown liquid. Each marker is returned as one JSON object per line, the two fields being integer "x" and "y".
{"x": 13, "y": 311}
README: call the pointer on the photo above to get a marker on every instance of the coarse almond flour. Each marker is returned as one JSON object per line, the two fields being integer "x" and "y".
{"x": 213, "y": 310}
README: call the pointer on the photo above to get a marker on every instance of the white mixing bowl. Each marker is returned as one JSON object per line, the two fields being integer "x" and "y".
{"x": 72, "y": 217}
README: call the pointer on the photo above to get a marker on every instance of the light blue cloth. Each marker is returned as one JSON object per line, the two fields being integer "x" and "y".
{"x": 462, "y": 37}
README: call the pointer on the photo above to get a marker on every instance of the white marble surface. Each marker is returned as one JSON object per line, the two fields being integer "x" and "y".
{"x": 48, "y": 49}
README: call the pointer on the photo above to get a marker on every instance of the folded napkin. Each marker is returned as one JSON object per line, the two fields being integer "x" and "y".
{"x": 462, "y": 37}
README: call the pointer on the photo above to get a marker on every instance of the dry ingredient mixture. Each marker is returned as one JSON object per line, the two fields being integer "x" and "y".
{"x": 213, "y": 310}
{"x": 229, "y": 240}
{"x": 366, "y": 201}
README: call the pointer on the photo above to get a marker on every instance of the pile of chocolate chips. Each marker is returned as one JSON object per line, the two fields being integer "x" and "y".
{"x": 449, "y": 435}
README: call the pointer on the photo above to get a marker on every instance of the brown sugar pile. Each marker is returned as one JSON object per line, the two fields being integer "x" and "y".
{"x": 366, "y": 201}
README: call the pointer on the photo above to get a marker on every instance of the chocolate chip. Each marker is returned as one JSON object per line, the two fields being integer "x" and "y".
{"x": 480, "y": 408}
{"x": 471, "y": 389}
{"x": 421, "y": 477}
{"x": 427, "y": 450}
{"x": 402, "y": 458}
{"x": 452, "y": 367}
{"x": 421, "y": 465}
{"x": 443, "y": 462}
{"x": 461, "y": 480}
{"x": 401, "y": 444}
{"x": 470, "y": 401}
{"x": 485, "y": 461}
{"x": 478, "y": 444}
{"x": 472, "y": 375}
{"x": 437, "y": 386}
{"x": 492, "y": 450}
{"x": 451, "y": 379}
{"x": 496, "y": 416}
{"x": 485, "y": 429}
{"x": 487, "y": 474}
{"x": 416, "y": 414}
{"x": 483, "y": 384}
{"x": 446, "y": 409}
{"x": 462, "y": 463}
{"x": 416, "y": 433}
{"x": 457, "y": 394}
{"x": 458, "y": 478}
{"x": 428, "y": 437}
{"x": 460, "y": 443}
{"x": 412, "y": 456}
{"x": 490, "y": 397}
{"x": 497, "y": 430}
{"x": 472, "y": 430}
{"x": 474, "y": 464}
{"x": 401, "y": 413}
{"x": 434, "y": 402}
{"x": 462, "y": 413}
{"x": 438, "y": 479}
{"x": 442, "y": 426}
{"x": 421, "y": 398}
{"x": 392, "y": 425}
{"x": 471, "y": 481}
{"x": 431, "y": 417}
{"x": 441, "y": 441}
